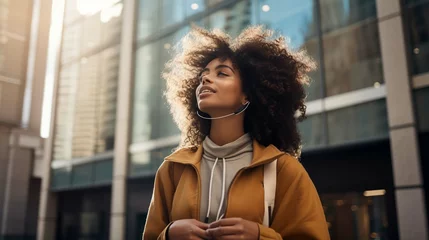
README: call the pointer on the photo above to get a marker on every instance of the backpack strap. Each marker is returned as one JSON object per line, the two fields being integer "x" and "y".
{"x": 270, "y": 181}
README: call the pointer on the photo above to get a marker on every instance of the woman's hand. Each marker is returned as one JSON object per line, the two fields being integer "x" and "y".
{"x": 188, "y": 229}
{"x": 233, "y": 228}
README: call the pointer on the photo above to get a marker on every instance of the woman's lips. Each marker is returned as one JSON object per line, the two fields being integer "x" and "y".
{"x": 205, "y": 94}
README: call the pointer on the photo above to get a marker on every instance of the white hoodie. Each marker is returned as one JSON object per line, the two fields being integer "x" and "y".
{"x": 219, "y": 165}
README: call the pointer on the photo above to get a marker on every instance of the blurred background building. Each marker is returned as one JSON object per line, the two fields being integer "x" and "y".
{"x": 24, "y": 33}
{"x": 108, "y": 128}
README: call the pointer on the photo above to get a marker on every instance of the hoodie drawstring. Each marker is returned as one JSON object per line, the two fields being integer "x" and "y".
{"x": 206, "y": 220}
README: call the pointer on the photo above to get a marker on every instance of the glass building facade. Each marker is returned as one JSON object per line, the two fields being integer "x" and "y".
{"x": 87, "y": 92}
{"x": 347, "y": 105}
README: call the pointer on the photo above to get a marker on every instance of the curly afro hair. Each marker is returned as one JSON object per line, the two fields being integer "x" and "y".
{"x": 273, "y": 79}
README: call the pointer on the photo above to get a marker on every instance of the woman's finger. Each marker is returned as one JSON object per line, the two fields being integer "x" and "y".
{"x": 225, "y": 222}
{"x": 222, "y": 231}
{"x": 200, "y": 233}
{"x": 201, "y": 224}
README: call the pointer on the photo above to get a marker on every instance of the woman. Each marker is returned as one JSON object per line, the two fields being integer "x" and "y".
{"x": 237, "y": 103}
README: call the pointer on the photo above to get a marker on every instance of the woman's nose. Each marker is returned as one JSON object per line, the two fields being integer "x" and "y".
{"x": 206, "y": 79}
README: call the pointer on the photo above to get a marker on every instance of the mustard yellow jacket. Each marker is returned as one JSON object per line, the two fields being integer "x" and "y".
{"x": 297, "y": 215}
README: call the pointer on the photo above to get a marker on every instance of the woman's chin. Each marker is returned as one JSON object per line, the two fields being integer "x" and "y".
{"x": 206, "y": 106}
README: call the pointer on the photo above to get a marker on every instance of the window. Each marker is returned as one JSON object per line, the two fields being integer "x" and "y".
{"x": 90, "y": 26}
{"x": 417, "y": 18}
{"x": 60, "y": 178}
{"x": 297, "y": 21}
{"x": 311, "y": 130}
{"x": 352, "y": 59}
{"x": 71, "y": 12}
{"x": 146, "y": 91}
{"x": 103, "y": 171}
{"x": 355, "y": 215}
{"x": 86, "y": 97}
{"x": 361, "y": 122}
{"x": 82, "y": 175}
{"x": 166, "y": 126}
{"x": 195, "y": 6}
{"x": 86, "y": 107}
{"x": 146, "y": 163}
{"x": 151, "y": 116}
{"x": 63, "y": 139}
{"x": 102, "y": 28}
{"x": 232, "y": 19}
{"x": 71, "y": 43}
{"x": 140, "y": 164}
{"x": 342, "y": 13}
{"x": 171, "y": 13}
{"x": 148, "y": 20}
{"x": 422, "y": 103}
{"x": 351, "y": 45}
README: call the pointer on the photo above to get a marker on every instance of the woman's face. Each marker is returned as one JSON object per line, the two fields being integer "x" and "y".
{"x": 220, "y": 90}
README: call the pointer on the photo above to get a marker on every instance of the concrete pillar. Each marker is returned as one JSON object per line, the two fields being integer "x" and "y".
{"x": 4, "y": 159}
{"x": 120, "y": 164}
{"x": 47, "y": 217}
{"x": 410, "y": 204}
{"x": 39, "y": 64}
{"x": 19, "y": 170}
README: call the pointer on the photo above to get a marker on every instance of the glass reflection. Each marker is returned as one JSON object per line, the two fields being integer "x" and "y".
{"x": 82, "y": 175}
{"x": 422, "y": 102}
{"x": 71, "y": 43}
{"x": 413, "y": 3}
{"x": 351, "y": 123}
{"x": 195, "y": 6}
{"x": 146, "y": 91}
{"x": 86, "y": 107}
{"x": 311, "y": 130}
{"x": 297, "y": 20}
{"x": 166, "y": 125}
{"x": 232, "y": 20}
{"x": 354, "y": 216}
{"x": 148, "y": 18}
{"x": 352, "y": 58}
{"x": 151, "y": 116}
{"x": 418, "y": 20}
{"x": 172, "y": 12}
{"x": 340, "y": 13}
{"x": 146, "y": 163}
{"x": 77, "y": 9}
{"x": 351, "y": 45}
{"x": 71, "y": 12}
{"x": 91, "y": 32}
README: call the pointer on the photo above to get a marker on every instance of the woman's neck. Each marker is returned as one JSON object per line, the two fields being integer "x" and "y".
{"x": 226, "y": 130}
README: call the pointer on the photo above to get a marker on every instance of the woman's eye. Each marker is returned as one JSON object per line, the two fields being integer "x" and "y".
{"x": 222, "y": 74}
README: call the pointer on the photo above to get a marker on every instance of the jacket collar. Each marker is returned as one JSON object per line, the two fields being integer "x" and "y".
{"x": 261, "y": 155}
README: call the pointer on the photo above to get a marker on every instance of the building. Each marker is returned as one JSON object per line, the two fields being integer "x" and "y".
{"x": 364, "y": 138}
{"x": 24, "y": 34}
